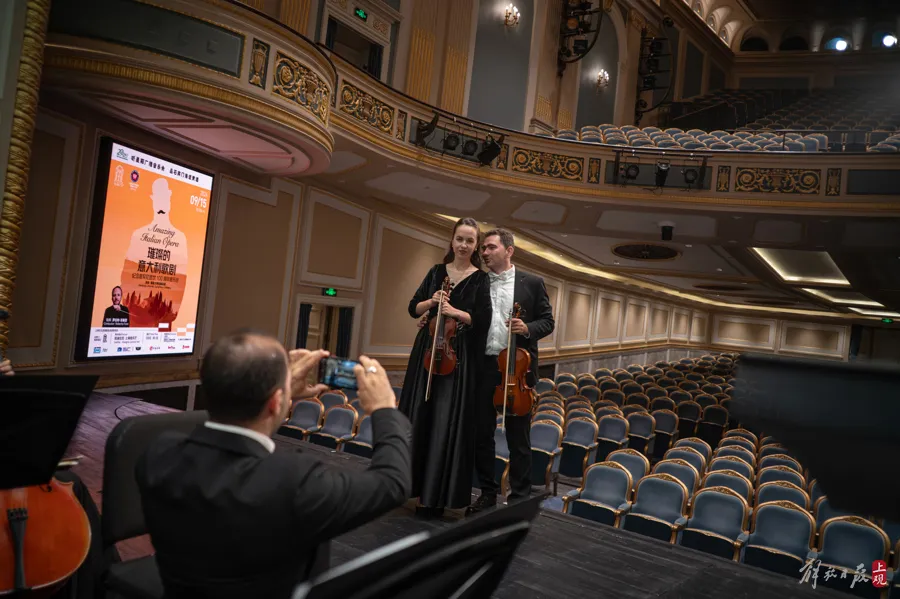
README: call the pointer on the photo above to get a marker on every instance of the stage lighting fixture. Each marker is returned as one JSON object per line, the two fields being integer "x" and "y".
{"x": 451, "y": 142}
{"x": 889, "y": 41}
{"x": 652, "y": 65}
{"x": 632, "y": 171}
{"x": 656, "y": 47}
{"x": 690, "y": 175}
{"x": 490, "y": 149}
{"x": 469, "y": 147}
{"x": 580, "y": 46}
{"x": 649, "y": 82}
{"x": 662, "y": 173}
{"x": 423, "y": 130}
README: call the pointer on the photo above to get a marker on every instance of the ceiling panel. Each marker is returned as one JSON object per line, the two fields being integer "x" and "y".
{"x": 806, "y": 10}
{"x": 801, "y": 266}
{"x": 430, "y": 191}
{"x": 648, "y": 223}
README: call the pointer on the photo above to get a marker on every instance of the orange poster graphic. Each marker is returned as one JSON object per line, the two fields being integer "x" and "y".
{"x": 151, "y": 251}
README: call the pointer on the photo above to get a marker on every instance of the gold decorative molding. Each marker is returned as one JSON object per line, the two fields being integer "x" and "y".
{"x": 295, "y": 14}
{"x": 723, "y": 180}
{"x": 547, "y": 164}
{"x": 594, "y": 171}
{"x": 24, "y": 113}
{"x": 259, "y": 63}
{"x": 777, "y": 180}
{"x": 194, "y": 88}
{"x": 380, "y": 26}
{"x": 503, "y": 157}
{"x": 565, "y": 119}
{"x": 453, "y": 88}
{"x": 833, "y": 182}
{"x": 401, "y": 125}
{"x": 295, "y": 81}
{"x": 366, "y": 108}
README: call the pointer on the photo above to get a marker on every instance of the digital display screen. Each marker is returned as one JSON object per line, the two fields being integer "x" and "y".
{"x": 148, "y": 240}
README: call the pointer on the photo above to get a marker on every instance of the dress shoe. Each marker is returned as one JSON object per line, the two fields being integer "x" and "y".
{"x": 482, "y": 503}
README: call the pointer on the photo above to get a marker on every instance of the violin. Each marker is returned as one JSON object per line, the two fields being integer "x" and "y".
{"x": 513, "y": 396}
{"x": 44, "y": 538}
{"x": 441, "y": 357}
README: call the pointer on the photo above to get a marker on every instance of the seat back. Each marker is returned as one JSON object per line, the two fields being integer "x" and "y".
{"x": 847, "y": 541}
{"x": 340, "y": 420}
{"x": 775, "y": 473}
{"x": 782, "y": 491}
{"x": 641, "y": 424}
{"x": 546, "y": 436}
{"x": 680, "y": 469}
{"x": 780, "y": 460}
{"x": 585, "y": 380}
{"x": 630, "y": 388}
{"x": 544, "y": 385}
{"x": 732, "y": 463}
{"x": 607, "y": 482}
{"x": 737, "y": 442}
{"x": 666, "y": 421}
{"x": 306, "y": 413}
{"x": 501, "y": 447}
{"x": 637, "y": 399}
{"x": 602, "y": 411}
{"x": 567, "y": 388}
{"x": 123, "y": 517}
{"x": 656, "y": 392}
{"x": 633, "y": 409}
{"x": 738, "y": 452}
{"x": 364, "y": 431}
{"x": 698, "y": 444}
{"x": 735, "y": 481}
{"x": 784, "y": 526}
{"x": 824, "y": 512}
{"x": 705, "y": 400}
{"x": 591, "y": 393}
{"x": 719, "y": 510}
{"x": 581, "y": 432}
{"x": 567, "y": 377}
{"x": 688, "y": 454}
{"x": 548, "y": 415}
{"x": 614, "y": 395}
{"x": 330, "y": 399}
{"x": 661, "y": 496}
{"x": 613, "y": 427}
{"x": 636, "y": 463}
{"x": 688, "y": 410}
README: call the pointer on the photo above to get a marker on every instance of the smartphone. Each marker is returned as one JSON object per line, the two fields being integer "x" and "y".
{"x": 337, "y": 373}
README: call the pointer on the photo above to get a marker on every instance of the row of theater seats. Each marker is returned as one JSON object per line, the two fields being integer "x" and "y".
{"x": 741, "y": 140}
{"x": 746, "y": 500}
{"x": 333, "y": 419}
{"x": 730, "y": 108}
{"x": 844, "y": 110}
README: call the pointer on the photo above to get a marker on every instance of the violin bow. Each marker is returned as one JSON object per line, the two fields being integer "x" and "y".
{"x": 506, "y": 369}
{"x": 437, "y": 332}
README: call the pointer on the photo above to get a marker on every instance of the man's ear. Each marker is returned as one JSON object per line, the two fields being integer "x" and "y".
{"x": 274, "y": 403}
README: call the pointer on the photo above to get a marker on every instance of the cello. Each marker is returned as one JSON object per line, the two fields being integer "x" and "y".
{"x": 514, "y": 395}
{"x": 45, "y": 536}
{"x": 441, "y": 358}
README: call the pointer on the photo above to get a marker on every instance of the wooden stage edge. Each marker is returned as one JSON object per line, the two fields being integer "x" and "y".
{"x": 562, "y": 556}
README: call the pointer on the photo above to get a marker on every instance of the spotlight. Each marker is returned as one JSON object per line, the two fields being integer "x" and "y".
{"x": 690, "y": 175}
{"x": 656, "y": 47}
{"x": 451, "y": 142}
{"x": 489, "y": 150}
{"x": 649, "y": 82}
{"x": 470, "y": 147}
{"x": 662, "y": 173}
{"x": 580, "y": 46}
{"x": 632, "y": 171}
{"x": 889, "y": 41}
{"x": 652, "y": 65}
{"x": 840, "y": 45}
{"x": 423, "y": 130}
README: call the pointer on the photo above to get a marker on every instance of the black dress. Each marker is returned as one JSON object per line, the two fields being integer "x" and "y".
{"x": 443, "y": 456}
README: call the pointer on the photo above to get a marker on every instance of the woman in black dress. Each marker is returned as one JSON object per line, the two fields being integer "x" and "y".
{"x": 443, "y": 426}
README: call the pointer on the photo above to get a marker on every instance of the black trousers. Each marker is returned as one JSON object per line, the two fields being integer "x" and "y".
{"x": 518, "y": 438}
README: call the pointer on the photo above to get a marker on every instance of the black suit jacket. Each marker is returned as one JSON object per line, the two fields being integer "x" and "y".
{"x": 230, "y": 520}
{"x": 531, "y": 293}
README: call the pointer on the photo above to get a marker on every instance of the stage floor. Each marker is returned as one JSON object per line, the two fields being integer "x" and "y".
{"x": 562, "y": 556}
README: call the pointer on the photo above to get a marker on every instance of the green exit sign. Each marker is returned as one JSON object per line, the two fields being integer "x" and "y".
{"x": 329, "y": 291}
{"x": 361, "y": 14}
{"x": 887, "y": 320}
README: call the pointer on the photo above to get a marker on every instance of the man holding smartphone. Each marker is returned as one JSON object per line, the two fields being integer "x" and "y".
{"x": 229, "y": 516}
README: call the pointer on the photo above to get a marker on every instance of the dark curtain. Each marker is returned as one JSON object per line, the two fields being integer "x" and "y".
{"x": 376, "y": 53}
{"x": 345, "y": 330}
{"x": 303, "y": 325}
{"x": 330, "y": 33}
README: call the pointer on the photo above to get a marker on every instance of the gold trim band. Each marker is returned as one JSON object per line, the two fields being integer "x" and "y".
{"x": 28, "y": 82}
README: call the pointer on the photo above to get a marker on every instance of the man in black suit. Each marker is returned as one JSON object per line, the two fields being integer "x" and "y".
{"x": 228, "y": 515}
{"x": 508, "y": 286}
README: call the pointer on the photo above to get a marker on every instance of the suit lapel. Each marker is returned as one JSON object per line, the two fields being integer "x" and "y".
{"x": 520, "y": 292}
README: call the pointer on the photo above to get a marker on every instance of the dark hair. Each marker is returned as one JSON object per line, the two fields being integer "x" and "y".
{"x": 506, "y": 238}
{"x": 239, "y": 373}
{"x": 475, "y": 258}
{"x": 119, "y": 287}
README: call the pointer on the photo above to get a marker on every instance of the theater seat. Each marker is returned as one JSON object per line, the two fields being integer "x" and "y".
{"x": 659, "y": 509}
{"x": 781, "y": 537}
{"x": 603, "y": 496}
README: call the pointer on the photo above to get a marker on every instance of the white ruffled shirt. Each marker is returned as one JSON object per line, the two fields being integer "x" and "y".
{"x": 503, "y": 288}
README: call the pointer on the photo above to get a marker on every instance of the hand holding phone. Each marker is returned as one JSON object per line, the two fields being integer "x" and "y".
{"x": 301, "y": 363}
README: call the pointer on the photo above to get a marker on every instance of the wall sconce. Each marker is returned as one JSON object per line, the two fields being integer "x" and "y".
{"x": 511, "y": 19}
{"x": 602, "y": 79}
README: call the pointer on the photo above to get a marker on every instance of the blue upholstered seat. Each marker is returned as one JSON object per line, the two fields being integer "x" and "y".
{"x": 781, "y": 536}
{"x": 782, "y": 491}
{"x": 659, "y": 508}
{"x": 680, "y": 469}
{"x": 641, "y": 431}
{"x": 845, "y": 542}
{"x": 579, "y": 446}
{"x": 688, "y": 454}
{"x": 546, "y": 450}
{"x": 330, "y": 399}
{"x": 731, "y": 479}
{"x": 717, "y": 523}
{"x": 544, "y": 385}
{"x": 305, "y": 418}
{"x": 636, "y": 463}
{"x": 361, "y": 443}
{"x": 698, "y": 444}
{"x": 337, "y": 427}
{"x": 780, "y": 473}
{"x": 605, "y": 493}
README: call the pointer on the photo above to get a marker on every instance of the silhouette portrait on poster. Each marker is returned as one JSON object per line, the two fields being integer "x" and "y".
{"x": 117, "y": 315}
{"x": 155, "y": 270}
